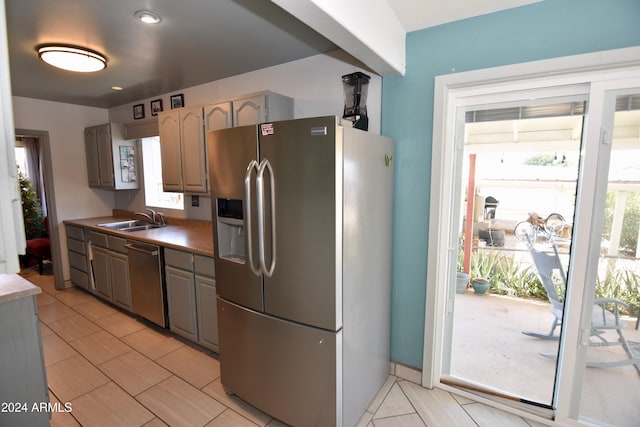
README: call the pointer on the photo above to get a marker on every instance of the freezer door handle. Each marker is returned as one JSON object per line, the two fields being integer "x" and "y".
{"x": 265, "y": 165}
{"x": 253, "y": 165}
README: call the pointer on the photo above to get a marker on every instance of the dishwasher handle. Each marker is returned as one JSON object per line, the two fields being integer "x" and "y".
{"x": 144, "y": 251}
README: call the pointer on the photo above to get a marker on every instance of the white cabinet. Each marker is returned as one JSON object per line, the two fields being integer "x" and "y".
{"x": 111, "y": 269}
{"x": 191, "y": 297}
{"x": 112, "y": 162}
{"x": 182, "y": 144}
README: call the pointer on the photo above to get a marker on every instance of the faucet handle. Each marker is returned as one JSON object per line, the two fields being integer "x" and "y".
{"x": 162, "y": 218}
{"x": 153, "y": 214}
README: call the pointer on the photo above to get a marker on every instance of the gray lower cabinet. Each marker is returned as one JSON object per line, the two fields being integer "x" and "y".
{"x": 191, "y": 297}
{"x": 181, "y": 297}
{"x": 79, "y": 263}
{"x": 120, "y": 281}
{"x": 111, "y": 269}
{"x": 101, "y": 272}
{"x": 207, "y": 312}
{"x": 23, "y": 390}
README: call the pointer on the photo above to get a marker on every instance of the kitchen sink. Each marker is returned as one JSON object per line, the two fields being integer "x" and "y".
{"x": 130, "y": 225}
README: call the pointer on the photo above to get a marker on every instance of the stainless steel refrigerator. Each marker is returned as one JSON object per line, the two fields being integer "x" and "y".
{"x": 302, "y": 213}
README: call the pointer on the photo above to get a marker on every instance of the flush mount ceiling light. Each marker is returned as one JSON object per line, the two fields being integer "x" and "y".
{"x": 72, "y": 58}
{"x": 147, "y": 17}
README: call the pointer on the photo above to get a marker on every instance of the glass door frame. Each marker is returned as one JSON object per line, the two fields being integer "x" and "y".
{"x": 588, "y": 73}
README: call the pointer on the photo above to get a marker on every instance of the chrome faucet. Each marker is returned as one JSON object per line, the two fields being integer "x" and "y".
{"x": 153, "y": 216}
{"x": 146, "y": 215}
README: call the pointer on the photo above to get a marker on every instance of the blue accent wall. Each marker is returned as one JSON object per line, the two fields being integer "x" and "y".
{"x": 549, "y": 29}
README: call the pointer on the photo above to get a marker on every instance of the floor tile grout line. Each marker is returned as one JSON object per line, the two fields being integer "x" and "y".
{"x": 111, "y": 380}
{"x": 411, "y": 402}
{"x": 97, "y": 367}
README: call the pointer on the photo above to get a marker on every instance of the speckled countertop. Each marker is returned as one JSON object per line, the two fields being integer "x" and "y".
{"x": 13, "y": 287}
{"x": 193, "y": 236}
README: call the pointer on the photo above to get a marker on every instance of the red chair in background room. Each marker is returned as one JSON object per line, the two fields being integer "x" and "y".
{"x": 39, "y": 248}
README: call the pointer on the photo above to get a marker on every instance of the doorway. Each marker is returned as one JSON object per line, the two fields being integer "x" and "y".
{"x": 49, "y": 208}
{"x": 522, "y": 84}
{"x": 518, "y": 160}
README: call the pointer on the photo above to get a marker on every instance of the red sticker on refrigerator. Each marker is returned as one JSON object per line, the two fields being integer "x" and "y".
{"x": 266, "y": 129}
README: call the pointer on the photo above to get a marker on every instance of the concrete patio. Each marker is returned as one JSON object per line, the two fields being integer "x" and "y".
{"x": 490, "y": 349}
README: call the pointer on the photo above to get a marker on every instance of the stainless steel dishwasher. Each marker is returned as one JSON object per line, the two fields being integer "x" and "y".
{"x": 147, "y": 286}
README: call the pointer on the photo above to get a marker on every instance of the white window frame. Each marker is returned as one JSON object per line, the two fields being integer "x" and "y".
{"x": 542, "y": 78}
{"x": 148, "y": 171}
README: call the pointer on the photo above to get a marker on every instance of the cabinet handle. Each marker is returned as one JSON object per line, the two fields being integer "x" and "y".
{"x": 144, "y": 251}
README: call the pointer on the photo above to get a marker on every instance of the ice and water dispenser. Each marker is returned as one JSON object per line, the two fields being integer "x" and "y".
{"x": 230, "y": 230}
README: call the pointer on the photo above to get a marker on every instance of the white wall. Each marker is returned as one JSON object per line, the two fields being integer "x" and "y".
{"x": 314, "y": 83}
{"x": 65, "y": 124}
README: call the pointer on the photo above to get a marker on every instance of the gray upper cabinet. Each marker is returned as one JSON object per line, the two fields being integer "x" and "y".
{"x": 170, "y": 148}
{"x": 260, "y": 108}
{"x": 218, "y": 116}
{"x": 194, "y": 173}
{"x": 112, "y": 161}
{"x": 183, "y": 150}
{"x": 183, "y": 135}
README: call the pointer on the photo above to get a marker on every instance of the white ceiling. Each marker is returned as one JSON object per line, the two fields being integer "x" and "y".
{"x": 418, "y": 14}
{"x": 197, "y": 41}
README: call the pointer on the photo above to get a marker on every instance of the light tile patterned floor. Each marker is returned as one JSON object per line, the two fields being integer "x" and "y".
{"x": 117, "y": 371}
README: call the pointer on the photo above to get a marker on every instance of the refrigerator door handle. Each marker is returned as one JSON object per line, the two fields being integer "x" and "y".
{"x": 265, "y": 165}
{"x": 253, "y": 165}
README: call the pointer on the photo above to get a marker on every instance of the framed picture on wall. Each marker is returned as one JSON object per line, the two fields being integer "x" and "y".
{"x": 138, "y": 111}
{"x": 177, "y": 101}
{"x": 156, "y": 107}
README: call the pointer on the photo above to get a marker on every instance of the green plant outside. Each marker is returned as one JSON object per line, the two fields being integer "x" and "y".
{"x": 510, "y": 277}
{"x": 623, "y": 285}
{"x": 31, "y": 209}
{"x": 630, "y": 223}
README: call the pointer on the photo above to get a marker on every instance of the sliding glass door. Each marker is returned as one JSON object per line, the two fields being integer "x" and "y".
{"x": 609, "y": 349}
{"x": 536, "y": 189}
{"x": 519, "y": 166}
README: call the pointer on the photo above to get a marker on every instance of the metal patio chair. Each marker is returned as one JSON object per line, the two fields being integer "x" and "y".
{"x": 605, "y": 315}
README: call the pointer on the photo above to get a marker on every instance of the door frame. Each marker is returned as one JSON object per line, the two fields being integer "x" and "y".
{"x": 52, "y": 212}
{"x": 457, "y": 90}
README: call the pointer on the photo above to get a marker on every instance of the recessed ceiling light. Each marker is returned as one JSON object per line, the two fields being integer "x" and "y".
{"x": 72, "y": 58}
{"x": 117, "y": 88}
{"x": 147, "y": 17}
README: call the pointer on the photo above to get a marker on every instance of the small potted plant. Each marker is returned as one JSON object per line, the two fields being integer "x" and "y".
{"x": 462, "y": 280}
{"x": 480, "y": 285}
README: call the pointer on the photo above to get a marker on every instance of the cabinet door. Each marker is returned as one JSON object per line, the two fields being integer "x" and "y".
{"x": 101, "y": 271}
{"x": 91, "y": 148}
{"x": 194, "y": 173}
{"x": 169, "y": 130}
{"x": 120, "y": 284}
{"x": 218, "y": 116}
{"x": 249, "y": 111}
{"x": 182, "y": 302}
{"x": 207, "y": 312}
{"x": 105, "y": 156}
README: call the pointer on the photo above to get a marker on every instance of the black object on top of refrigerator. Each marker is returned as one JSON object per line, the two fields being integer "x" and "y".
{"x": 302, "y": 247}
